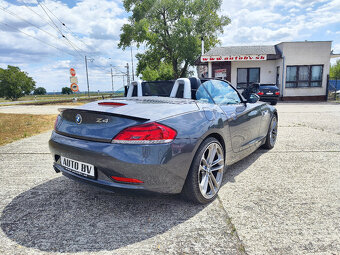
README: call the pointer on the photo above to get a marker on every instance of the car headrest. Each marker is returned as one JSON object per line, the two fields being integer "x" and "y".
{"x": 195, "y": 83}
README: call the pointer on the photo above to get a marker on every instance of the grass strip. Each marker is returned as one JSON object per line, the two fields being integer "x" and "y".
{"x": 17, "y": 126}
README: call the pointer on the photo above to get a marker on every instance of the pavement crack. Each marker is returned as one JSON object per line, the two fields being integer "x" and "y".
{"x": 232, "y": 229}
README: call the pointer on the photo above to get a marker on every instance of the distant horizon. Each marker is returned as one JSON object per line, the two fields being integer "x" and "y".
{"x": 85, "y": 92}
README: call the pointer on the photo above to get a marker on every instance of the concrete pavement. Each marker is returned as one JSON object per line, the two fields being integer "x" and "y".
{"x": 33, "y": 109}
{"x": 43, "y": 212}
{"x": 283, "y": 201}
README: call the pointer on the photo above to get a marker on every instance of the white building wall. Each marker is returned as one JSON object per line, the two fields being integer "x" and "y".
{"x": 306, "y": 53}
{"x": 267, "y": 70}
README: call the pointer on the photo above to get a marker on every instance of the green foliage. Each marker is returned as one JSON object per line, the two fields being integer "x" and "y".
{"x": 334, "y": 71}
{"x": 15, "y": 83}
{"x": 66, "y": 90}
{"x": 162, "y": 72}
{"x": 39, "y": 91}
{"x": 171, "y": 30}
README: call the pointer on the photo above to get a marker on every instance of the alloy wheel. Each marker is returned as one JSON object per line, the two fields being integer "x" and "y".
{"x": 210, "y": 170}
{"x": 273, "y": 131}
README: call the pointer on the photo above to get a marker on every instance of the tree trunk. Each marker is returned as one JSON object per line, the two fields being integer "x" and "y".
{"x": 175, "y": 68}
{"x": 184, "y": 69}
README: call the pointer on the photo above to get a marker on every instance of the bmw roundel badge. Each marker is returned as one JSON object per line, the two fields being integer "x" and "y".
{"x": 79, "y": 119}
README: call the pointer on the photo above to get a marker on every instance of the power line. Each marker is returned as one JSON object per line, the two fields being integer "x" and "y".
{"x": 48, "y": 22}
{"x": 37, "y": 39}
{"x": 15, "y": 15}
{"x": 70, "y": 43}
{"x": 58, "y": 29}
{"x": 55, "y": 37}
{"x": 66, "y": 26}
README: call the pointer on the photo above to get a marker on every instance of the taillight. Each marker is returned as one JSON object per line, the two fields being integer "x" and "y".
{"x": 260, "y": 93}
{"x": 277, "y": 93}
{"x": 129, "y": 180}
{"x": 146, "y": 134}
{"x": 111, "y": 104}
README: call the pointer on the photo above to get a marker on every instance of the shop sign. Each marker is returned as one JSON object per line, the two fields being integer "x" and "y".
{"x": 233, "y": 58}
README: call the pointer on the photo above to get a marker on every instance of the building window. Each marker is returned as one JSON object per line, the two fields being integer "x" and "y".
{"x": 277, "y": 75}
{"x": 304, "y": 76}
{"x": 246, "y": 76}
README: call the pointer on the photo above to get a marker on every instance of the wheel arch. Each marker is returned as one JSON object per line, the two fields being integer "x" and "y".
{"x": 215, "y": 135}
{"x": 276, "y": 115}
{"x": 219, "y": 138}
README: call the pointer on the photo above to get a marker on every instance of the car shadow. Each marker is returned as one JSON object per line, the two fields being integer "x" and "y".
{"x": 66, "y": 216}
{"x": 234, "y": 170}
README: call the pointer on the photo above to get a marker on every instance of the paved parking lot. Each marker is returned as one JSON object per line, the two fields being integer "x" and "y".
{"x": 283, "y": 201}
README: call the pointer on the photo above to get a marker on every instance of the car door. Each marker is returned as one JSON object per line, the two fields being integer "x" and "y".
{"x": 243, "y": 118}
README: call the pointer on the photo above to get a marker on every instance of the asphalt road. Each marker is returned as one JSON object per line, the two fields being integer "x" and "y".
{"x": 283, "y": 201}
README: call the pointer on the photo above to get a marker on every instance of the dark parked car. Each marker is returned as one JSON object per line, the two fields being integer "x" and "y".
{"x": 269, "y": 93}
{"x": 175, "y": 144}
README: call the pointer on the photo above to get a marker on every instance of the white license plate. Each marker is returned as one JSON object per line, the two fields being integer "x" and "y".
{"x": 269, "y": 93}
{"x": 77, "y": 166}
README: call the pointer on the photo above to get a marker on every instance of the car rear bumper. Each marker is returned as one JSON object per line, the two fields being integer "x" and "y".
{"x": 269, "y": 98}
{"x": 162, "y": 167}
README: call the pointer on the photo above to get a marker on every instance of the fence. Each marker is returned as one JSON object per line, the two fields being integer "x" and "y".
{"x": 333, "y": 89}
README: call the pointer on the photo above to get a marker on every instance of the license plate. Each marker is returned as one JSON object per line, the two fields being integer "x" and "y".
{"x": 269, "y": 93}
{"x": 78, "y": 167}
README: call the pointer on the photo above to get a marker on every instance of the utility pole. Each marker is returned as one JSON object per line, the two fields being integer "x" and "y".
{"x": 127, "y": 74}
{"x": 133, "y": 73}
{"x": 87, "y": 78}
{"x": 112, "y": 82}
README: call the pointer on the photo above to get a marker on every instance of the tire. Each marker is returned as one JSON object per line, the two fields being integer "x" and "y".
{"x": 273, "y": 102}
{"x": 271, "y": 134}
{"x": 206, "y": 173}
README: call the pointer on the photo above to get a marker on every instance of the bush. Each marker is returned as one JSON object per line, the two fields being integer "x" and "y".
{"x": 66, "y": 90}
{"x": 39, "y": 91}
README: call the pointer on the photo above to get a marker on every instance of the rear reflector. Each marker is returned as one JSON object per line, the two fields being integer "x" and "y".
{"x": 149, "y": 133}
{"x": 111, "y": 104}
{"x": 129, "y": 180}
{"x": 260, "y": 93}
{"x": 277, "y": 93}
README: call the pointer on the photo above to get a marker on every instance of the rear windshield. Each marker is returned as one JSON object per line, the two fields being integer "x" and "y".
{"x": 157, "y": 88}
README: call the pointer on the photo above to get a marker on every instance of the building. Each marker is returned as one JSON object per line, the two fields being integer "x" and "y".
{"x": 299, "y": 69}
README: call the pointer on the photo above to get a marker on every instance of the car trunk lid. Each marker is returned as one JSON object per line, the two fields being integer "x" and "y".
{"x": 103, "y": 120}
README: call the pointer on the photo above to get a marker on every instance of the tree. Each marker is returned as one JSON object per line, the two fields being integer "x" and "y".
{"x": 334, "y": 71}
{"x": 66, "y": 90}
{"x": 15, "y": 83}
{"x": 39, "y": 91}
{"x": 171, "y": 30}
{"x": 163, "y": 72}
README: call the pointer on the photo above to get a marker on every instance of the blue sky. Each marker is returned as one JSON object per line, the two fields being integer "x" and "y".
{"x": 95, "y": 27}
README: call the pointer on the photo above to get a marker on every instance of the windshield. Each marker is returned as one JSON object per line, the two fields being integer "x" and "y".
{"x": 220, "y": 91}
{"x": 157, "y": 88}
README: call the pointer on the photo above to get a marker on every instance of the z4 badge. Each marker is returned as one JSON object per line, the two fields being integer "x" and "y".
{"x": 101, "y": 120}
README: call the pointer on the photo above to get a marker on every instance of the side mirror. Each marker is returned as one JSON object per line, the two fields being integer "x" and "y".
{"x": 249, "y": 93}
{"x": 253, "y": 98}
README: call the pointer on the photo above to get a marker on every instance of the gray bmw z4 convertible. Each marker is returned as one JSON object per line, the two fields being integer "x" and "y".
{"x": 175, "y": 140}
